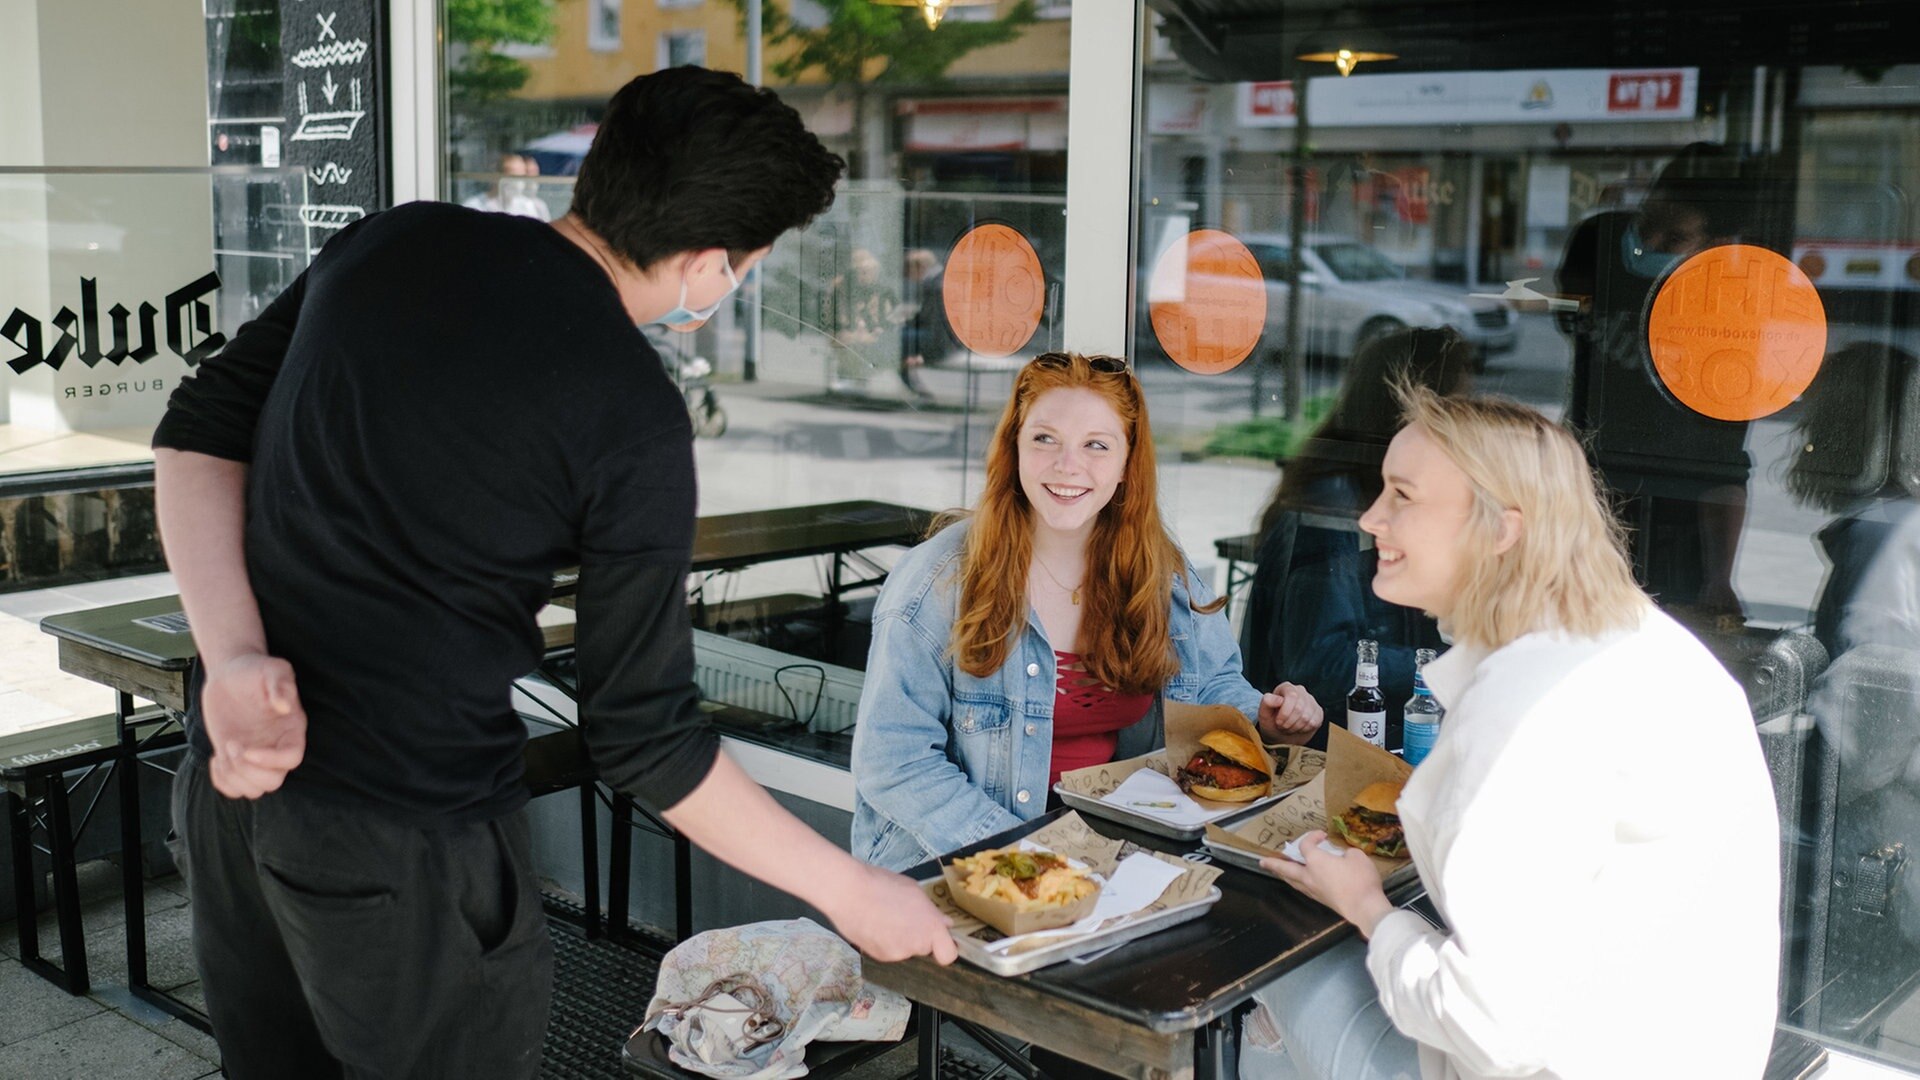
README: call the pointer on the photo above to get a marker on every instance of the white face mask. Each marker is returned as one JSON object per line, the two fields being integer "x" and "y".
{"x": 681, "y": 315}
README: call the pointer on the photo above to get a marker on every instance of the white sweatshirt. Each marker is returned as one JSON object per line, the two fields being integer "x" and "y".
{"x": 1597, "y": 825}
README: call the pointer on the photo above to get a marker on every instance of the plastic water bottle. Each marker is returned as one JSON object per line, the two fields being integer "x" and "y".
{"x": 1423, "y": 712}
{"x": 1366, "y": 705}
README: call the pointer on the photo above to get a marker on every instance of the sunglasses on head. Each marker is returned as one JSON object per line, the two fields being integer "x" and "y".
{"x": 1106, "y": 365}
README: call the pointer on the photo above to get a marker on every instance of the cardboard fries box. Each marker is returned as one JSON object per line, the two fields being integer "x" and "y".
{"x": 1006, "y": 916}
{"x": 1073, "y": 838}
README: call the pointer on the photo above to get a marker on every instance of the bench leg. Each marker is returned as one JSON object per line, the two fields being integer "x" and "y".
{"x": 26, "y": 912}
{"x": 66, "y": 887}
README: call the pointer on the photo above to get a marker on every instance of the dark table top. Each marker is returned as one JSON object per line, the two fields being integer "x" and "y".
{"x": 1238, "y": 548}
{"x": 1183, "y": 977}
{"x": 722, "y": 541}
{"x": 732, "y": 541}
{"x": 117, "y": 629}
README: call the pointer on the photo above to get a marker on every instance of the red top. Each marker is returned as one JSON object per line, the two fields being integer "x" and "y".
{"x": 1087, "y": 717}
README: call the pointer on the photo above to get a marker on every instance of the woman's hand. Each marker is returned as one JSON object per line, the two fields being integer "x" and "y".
{"x": 1346, "y": 882}
{"x": 1289, "y": 715}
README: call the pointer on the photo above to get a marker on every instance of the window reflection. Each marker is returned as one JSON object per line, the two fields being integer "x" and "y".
{"x": 1536, "y": 215}
{"x": 843, "y": 369}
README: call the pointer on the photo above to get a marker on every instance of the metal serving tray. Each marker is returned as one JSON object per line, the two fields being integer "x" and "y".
{"x": 1147, "y": 823}
{"x": 1247, "y": 860}
{"x": 1020, "y": 963}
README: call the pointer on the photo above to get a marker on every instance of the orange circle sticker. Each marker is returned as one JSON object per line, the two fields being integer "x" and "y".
{"x": 1208, "y": 302}
{"x": 1737, "y": 332}
{"x": 995, "y": 290}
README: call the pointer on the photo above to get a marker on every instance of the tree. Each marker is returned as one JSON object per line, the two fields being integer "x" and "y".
{"x": 862, "y": 44}
{"x": 481, "y": 74}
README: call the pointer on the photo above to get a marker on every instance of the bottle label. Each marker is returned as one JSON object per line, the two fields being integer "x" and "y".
{"x": 1367, "y": 675}
{"x": 1371, "y": 726}
{"x": 1418, "y": 737}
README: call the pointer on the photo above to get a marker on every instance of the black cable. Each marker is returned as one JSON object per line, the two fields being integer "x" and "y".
{"x": 819, "y": 692}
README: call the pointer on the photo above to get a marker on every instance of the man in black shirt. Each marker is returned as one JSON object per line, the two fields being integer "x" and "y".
{"x": 368, "y": 492}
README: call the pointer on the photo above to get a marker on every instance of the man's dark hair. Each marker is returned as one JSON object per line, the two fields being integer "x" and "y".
{"x": 688, "y": 159}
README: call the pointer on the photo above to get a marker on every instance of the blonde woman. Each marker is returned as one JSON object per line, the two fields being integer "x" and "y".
{"x": 1595, "y": 824}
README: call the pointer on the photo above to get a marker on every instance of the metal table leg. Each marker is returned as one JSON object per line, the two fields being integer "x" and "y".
{"x": 133, "y": 888}
{"x": 620, "y": 868}
{"x": 590, "y": 858}
{"x": 1212, "y": 1045}
{"x": 929, "y": 1044}
{"x": 132, "y": 880}
{"x": 682, "y": 888}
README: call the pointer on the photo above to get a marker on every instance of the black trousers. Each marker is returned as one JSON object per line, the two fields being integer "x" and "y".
{"x": 332, "y": 942}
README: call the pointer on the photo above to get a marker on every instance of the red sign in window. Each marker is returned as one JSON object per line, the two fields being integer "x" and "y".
{"x": 1645, "y": 91}
{"x": 1270, "y": 100}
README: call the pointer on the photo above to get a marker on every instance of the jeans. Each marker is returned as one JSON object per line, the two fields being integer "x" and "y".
{"x": 1323, "y": 1021}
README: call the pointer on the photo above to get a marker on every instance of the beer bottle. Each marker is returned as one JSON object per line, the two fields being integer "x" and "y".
{"x": 1366, "y": 705}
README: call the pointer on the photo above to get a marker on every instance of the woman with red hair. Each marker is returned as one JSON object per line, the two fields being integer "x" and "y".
{"x": 1039, "y": 633}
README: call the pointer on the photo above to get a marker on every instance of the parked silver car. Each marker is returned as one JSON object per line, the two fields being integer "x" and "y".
{"x": 1352, "y": 294}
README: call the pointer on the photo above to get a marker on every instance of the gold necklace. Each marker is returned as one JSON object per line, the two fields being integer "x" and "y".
{"x": 1072, "y": 593}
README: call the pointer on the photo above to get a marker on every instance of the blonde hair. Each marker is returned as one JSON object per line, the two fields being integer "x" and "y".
{"x": 1568, "y": 570}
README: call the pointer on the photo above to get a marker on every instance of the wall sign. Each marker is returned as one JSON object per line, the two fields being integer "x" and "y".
{"x": 1207, "y": 301}
{"x": 118, "y": 334}
{"x": 1737, "y": 332}
{"x": 332, "y": 101}
{"x": 995, "y": 290}
{"x": 1588, "y": 95}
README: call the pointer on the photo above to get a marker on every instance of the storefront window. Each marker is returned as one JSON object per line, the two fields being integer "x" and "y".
{"x": 840, "y": 372}
{"x": 1539, "y": 210}
{"x": 209, "y": 157}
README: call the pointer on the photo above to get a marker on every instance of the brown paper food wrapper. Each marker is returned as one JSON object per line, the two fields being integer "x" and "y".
{"x": 1352, "y": 764}
{"x": 1071, "y": 837}
{"x": 1290, "y": 766}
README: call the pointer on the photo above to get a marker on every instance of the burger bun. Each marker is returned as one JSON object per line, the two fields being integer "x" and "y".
{"x": 1382, "y": 797}
{"x": 1236, "y": 747}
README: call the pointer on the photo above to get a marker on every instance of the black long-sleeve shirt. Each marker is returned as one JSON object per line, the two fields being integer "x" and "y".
{"x": 443, "y": 410}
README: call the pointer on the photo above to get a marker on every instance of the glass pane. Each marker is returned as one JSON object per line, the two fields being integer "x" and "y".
{"x": 844, "y": 371}
{"x": 136, "y": 235}
{"x": 1562, "y": 208}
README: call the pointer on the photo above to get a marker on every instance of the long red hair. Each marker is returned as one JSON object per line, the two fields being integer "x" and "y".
{"x": 1131, "y": 559}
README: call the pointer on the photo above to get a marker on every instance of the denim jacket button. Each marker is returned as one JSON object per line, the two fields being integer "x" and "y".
{"x": 1031, "y": 728}
{"x": 1023, "y": 797}
{"x": 1033, "y": 669}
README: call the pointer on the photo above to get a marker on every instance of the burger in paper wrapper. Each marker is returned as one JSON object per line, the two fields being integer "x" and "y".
{"x": 1372, "y": 823}
{"x": 1228, "y": 767}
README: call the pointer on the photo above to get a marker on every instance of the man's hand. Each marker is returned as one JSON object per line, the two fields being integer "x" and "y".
{"x": 887, "y": 917}
{"x": 1346, "y": 882}
{"x": 1289, "y": 714}
{"x": 251, "y": 710}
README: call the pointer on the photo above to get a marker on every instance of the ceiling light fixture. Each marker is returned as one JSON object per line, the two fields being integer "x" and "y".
{"x": 932, "y": 10}
{"x": 1346, "y": 59}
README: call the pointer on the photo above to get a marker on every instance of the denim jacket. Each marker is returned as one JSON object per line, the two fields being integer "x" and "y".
{"x": 942, "y": 758}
